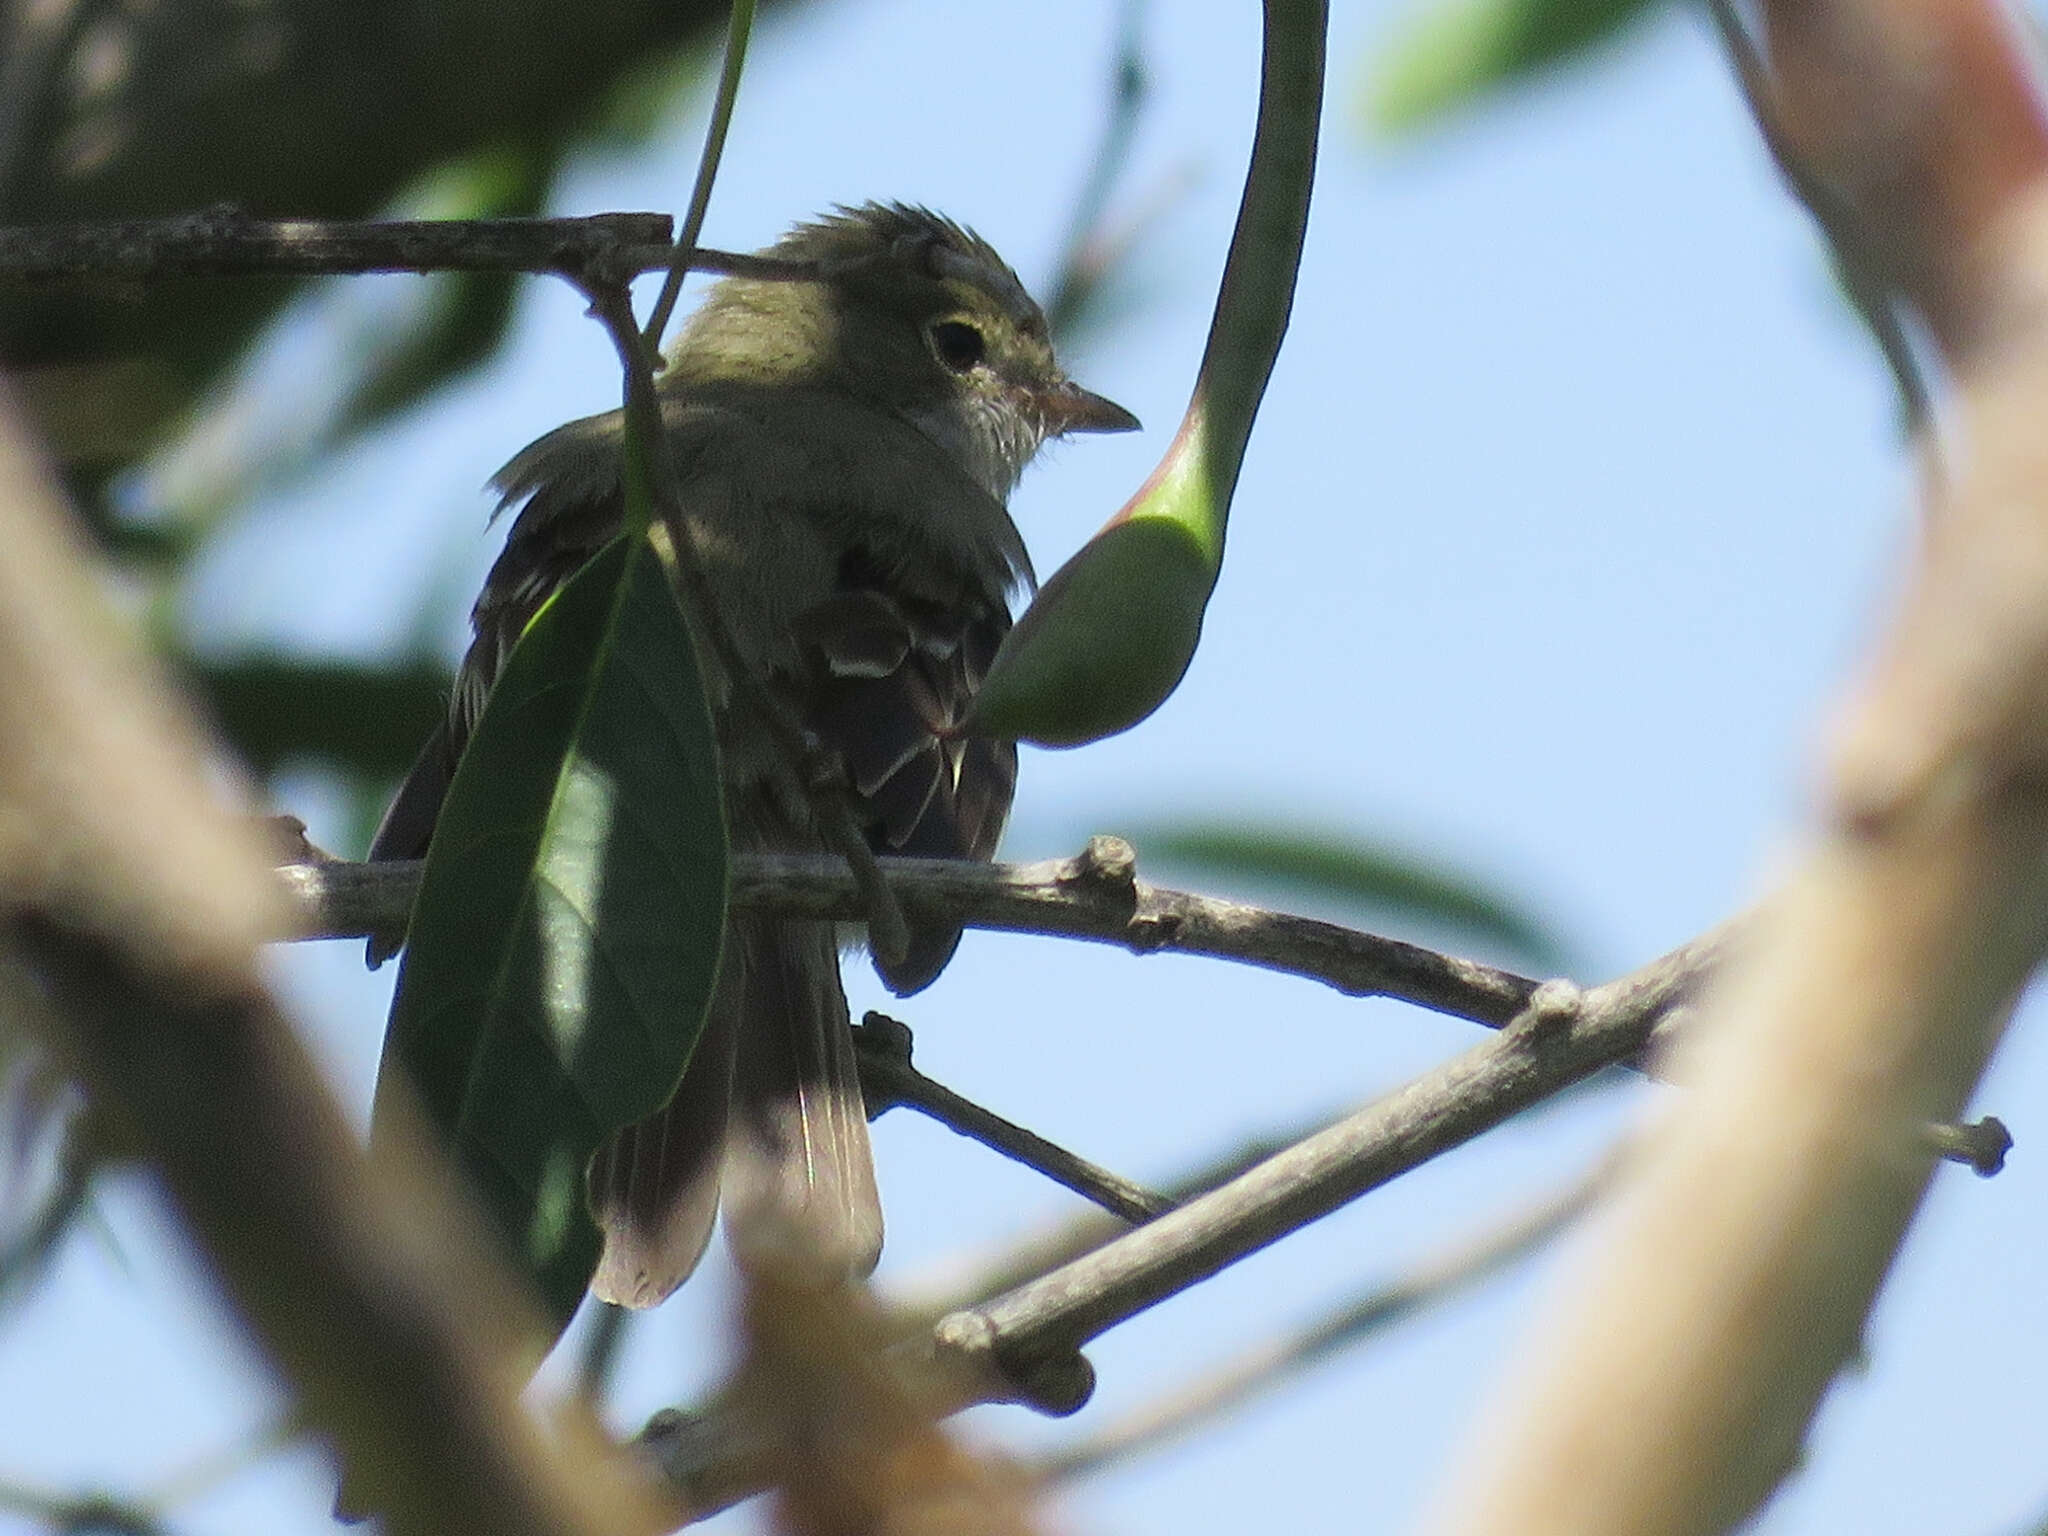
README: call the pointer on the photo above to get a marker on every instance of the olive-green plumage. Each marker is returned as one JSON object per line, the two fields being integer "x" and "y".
{"x": 844, "y": 447}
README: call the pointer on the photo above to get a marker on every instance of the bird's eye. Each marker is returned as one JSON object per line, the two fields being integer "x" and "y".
{"x": 958, "y": 344}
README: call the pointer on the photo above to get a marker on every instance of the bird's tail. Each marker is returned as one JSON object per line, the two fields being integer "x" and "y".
{"x": 770, "y": 1109}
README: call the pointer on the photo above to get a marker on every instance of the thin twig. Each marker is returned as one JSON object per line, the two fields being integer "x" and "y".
{"x": 888, "y": 1079}
{"x": 966, "y": 1283}
{"x": 1436, "y": 1279}
{"x": 1029, "y": 1339}
{"x": 1023, "y": 1346}
{"x": 227, "y": 243}
{"x": 738, "y": 25}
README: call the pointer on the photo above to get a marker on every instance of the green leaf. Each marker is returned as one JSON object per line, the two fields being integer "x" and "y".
{"x": 1461, "y": 51}
{"x": 462, "y": 316}
{"x": 365, "y": 717}
{"x": 1126, "y": 620}
{"x": 1348, "y": 871}
{"x": 1115, "y": 629}
{"x": 567, "y": 931}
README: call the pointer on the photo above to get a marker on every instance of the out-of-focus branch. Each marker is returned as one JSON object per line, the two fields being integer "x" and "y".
{"x": 1669, "y": 1387}
{"x": 1862, "y": 271}
{"x": 1436, "y": 1279}
{"x": 1088, "y": 253}
{"x": 75, "y": 1514}
{"x": 132, "y": 905}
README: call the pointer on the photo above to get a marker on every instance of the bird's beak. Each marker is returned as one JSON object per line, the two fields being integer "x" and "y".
{"x": 1070, "y": 408}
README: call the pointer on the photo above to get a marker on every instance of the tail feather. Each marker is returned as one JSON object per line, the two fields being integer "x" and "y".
{"x": 768, "y": 1116}
{"x": 653, "y": 1187}
{"x": 800, "y": 1200}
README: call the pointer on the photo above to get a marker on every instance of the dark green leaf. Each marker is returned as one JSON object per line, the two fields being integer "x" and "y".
{"x": 371, "y": 719}
{"x": 464, "y": 313}
{"x": 568, "y": 925}
{"x": 1459, "y": 52}
{"x": 319, "y": 107}
{"x": 1334, "y": 867}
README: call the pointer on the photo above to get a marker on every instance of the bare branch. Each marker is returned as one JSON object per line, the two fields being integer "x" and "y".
{"x": 1095, "y": 896}
{"x": 1434, "y": 1280}
{"x": 225, "y": 242}
{"x": 960, "y": 1284}
{"x": 1023, "y": 1346}
{"x": 888, "y": 1079}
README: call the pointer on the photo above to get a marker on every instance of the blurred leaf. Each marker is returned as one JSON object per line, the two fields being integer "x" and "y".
{"x": 568, "y": 925}
{"x": 370, "y": 719}
{"x": 348, "y": 353}
{"x": 1113, "y": 632}
{"x": 322, "y": 108}
{"x": 465, "y": 312}
{"x": 1336, "y": 868}
{"x": 1458, "y": 52}
{"x": 46, "y": 1164}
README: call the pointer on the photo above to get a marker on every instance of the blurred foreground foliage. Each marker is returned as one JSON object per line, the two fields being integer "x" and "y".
{"x": 306, "y": 108}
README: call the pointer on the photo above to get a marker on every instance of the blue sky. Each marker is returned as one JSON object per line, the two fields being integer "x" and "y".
{"x": 1575, "y": 497}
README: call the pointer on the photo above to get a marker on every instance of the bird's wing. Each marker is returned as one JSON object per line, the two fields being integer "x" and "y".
{"x": 886, "y": 679}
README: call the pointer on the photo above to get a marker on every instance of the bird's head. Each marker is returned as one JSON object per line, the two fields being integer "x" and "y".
{"x": 910, "y": 313}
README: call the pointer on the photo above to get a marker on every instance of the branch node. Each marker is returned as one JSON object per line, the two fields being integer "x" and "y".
{"x": 883, "y": 1045}
{"x": 1553, "y": 1008}
{"x": 1058, "y": 1383}
{"x": 1979, "y": 1145}
{"x": 1108, "y": 864}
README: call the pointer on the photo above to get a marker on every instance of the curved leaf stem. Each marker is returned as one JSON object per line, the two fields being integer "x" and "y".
{"x": 739, "y": 26}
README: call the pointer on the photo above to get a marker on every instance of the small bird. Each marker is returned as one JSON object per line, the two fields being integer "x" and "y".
{"x": 845, "y": 448}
